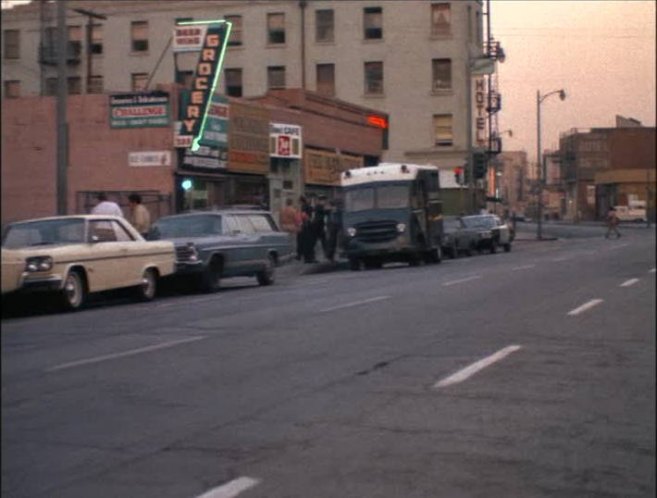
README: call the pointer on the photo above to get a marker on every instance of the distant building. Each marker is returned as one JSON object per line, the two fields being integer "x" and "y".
{"x": 514, "y": 185}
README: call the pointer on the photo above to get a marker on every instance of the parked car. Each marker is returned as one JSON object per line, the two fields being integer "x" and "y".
{"x": 213, "y": 245}
{"x": 76, "y": 255}
{"x": 458, "y": 239}
{"x": 492, "y": 231}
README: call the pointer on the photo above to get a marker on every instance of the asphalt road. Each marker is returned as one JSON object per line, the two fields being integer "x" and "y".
{"x": 522, "y": 374}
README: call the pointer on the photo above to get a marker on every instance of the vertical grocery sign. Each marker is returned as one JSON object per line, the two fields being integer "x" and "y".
{"x": 211, "y": 39}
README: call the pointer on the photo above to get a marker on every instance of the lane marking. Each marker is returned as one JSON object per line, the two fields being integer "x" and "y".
{"x": 356, "y": 303}
{"x": 470, "y": 370}
{"x": 184, "y": 302}
{"x": 232, "y": 488}
{"x": 629, "y": 282}
{"x": 563, "y": 258}
{"x": 123, "y": 354}
{"x": 467, "y": 279}
{"x": 585, "y": 306}
{"x": 525, "y": 267}
{"x": 618, "y": 246}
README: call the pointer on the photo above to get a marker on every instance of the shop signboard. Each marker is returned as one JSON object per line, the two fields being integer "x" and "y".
{"x": 149, "y": 158}
{"x": 205, "y": 157}
{"x": 188, "y": 38}
{"x": 196, "y": 111}
{"x": 285, "y": 141}
{"x": 139, "y": 110}
{"x": 248, "y": 139}
{"x": 216, "y": 130}
{"x": 324, "y": 168}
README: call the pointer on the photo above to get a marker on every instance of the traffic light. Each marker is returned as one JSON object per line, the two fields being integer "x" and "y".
{"x": 186, "y": 184}
{"x": 479, "y": 160}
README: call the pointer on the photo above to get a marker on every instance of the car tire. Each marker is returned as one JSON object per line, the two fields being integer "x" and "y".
{"x": 147, "y": 289}
{"x": 470, "y": 250}
{"x": 454, "y": 251}
{"x": 493, "y": 247}
{"x": 211, "y": 277}
{"x": 373, "y": 264}
{"x": 354, "y": 264}
{"x": 267, "y": 276}
{"x": 74, "y": 292}
{"x": 507, "y": 247}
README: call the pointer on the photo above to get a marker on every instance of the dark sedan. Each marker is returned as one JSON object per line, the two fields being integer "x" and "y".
{"x": 492, "y": 232}
{"x": 458, "y": 239}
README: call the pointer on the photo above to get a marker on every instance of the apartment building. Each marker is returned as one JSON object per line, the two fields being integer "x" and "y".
{"x": 410, "y": 59}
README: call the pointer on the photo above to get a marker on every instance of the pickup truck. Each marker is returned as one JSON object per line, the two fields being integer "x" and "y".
{"x": 635, "y": 212}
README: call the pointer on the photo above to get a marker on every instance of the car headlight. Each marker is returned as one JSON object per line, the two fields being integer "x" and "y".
{"x": 193, "y": 252}
{"x": 401, "y": 227}
{"x": 38, "y": 263}
{"x": 485, "y": 235}
{"x": 351, "y": 231}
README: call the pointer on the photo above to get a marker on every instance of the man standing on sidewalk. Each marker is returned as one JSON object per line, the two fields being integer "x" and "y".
{"x": 612, "y": 223}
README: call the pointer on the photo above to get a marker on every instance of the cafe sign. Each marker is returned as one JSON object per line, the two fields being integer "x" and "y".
{"x": 195, "y": 112}
{"x": 285, "y": 141}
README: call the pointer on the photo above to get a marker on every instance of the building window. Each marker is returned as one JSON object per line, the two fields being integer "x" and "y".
{"x": 95, "y": 84}
{"x": 442, "y": 129}
{"x": 373, "y": 23}
{"x": 326, "y": 79}
{"x": 74, "y": 48}
{"x": 442, "y": 74}
{"x": 373, "y": 78}
{"x": 12, "y": 89}
{"x": 51, "y": 87}
{"x": 275, "y": 29}
{"x": 324, "y": 25}
{"x": 441, "y": 19}
{"x": 233, "y": 79}
{"x": 276, "y": 77}
{"x": 236, "y": 31}
{"x": 139, "y": 36}
{"x": 139, "y": 81}
{"x": 97, "y": 39}
{"x": 74, "y": 85}
{"x": 12, "y": 43}
{"x": 185, "y": 78}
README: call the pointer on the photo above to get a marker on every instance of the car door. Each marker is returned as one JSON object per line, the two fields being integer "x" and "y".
{"x": 251, "y": 248}
{"x": 132, "y": 256}
{"x": 106, "y": 257}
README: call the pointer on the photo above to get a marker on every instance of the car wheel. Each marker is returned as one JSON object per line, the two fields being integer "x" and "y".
{"x": 74, "y": 293}
{"x": 493, "y": 247}
{"x": 507, "y": 247}
{"x": 147, "y": 289}
{"x": 454, "y": 251}
{"x": 373, "y": 264}
{"x": 266, "y": 276}
{"x": 354, "y": 264}
{"x": 211, "y": 277}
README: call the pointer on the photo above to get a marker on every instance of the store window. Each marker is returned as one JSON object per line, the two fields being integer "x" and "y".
{"x": 442, "y": 74}
{"x": 443, "y": 130}
{"x": 12, "y": 43}
{"x": 139, "y": 81}
{"x": 441, "y": 19}
{"x": 233, "y": 82}
{"x": 276, "y": 77}
{"x": 326, "y": 79}
{"x": 372, "y": 23}
{"x": 139, "y": 36}
{"x": 235, "y": 39}
{"x": 275, "y": 29}
{"x": 374, "y": 78}
{"x": 324, "y": 25}
{"x": 12, "y": 89}
{"x": 185, "y": 78}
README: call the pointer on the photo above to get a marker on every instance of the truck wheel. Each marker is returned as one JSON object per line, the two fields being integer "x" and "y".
{"x": 507, "y": 247}
{"x": 354, "y": 264}
{"x": 493, "y": 247}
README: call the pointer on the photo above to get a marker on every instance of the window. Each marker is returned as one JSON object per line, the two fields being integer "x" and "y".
{"x": 261, "y": 223}
{"x": 139, "y": 36}
{"x": 373, "y": 78}
{"x": 12, "y": 43}
{"x": 233, "y": 81}
{"x": 51, "y": 87}
{"x": 74, "y": 48}
{"x": 12, "y": 89}
{"x": 442, "y": 128}
{"x": 244, "y": 224}
{"x": 276, "y": 77}
{"x": 236, "y": 31}
{"x": 74, "y": 85}
{"x": 326, "y": 79}
{"x": 97, "y": 39}
{"x": 185, "y": 78}
{"x": 122, "y": 234}
{"x": 139, "y": 81}
{"x": 95, "y": 84}
{"x": 324, "y": 25}
{"x": 442, "y": 74}
{"x": 275, "y": 29}
{"x": 441, "y": 19}
{"x": 372, "y": 23}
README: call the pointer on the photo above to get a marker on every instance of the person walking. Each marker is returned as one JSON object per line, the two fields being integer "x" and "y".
{"x": 307, "y": 238}
{"x": 333, "y": 225}
{"x": 140, "y": 218}
{"x": 288, "y": 219}
{"x": 612, "y": 223}
{"x": 319, "y": 221}
{"x": 105, "y": 206}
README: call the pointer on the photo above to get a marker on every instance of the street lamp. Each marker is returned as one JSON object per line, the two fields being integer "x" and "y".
{"x": 541, "y": 166}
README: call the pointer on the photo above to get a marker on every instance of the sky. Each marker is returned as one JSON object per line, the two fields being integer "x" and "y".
{"x": 602, "y": 53}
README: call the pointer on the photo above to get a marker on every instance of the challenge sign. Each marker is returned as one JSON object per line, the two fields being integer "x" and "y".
{"x": 195, "y": 114}
{"x": 139, "y": 110}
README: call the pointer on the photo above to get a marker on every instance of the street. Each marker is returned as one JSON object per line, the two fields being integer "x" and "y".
{"x": 521, "y": 374}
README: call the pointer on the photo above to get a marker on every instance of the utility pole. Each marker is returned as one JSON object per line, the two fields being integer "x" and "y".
{"x": 62, "y": 125}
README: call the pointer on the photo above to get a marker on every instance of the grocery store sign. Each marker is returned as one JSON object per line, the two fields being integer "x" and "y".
{"x": 285, "y": 140}
{"x": 139, "y": 110}
{"x": 195, "y": 114}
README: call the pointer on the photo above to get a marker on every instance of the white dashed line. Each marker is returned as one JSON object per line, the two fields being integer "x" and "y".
{"x": 629, "y": 282}
{"x": 123, "y": 354}
{"x": 584, "y": 307}
{"x": 232, "y": 488}
{"x": 460, "y": 281}
{"x": 357, "y": 303}
{"x": 618, "y": 246}
{"x": 564, "y": 258}
{"x": 525, "y": 267}
{"x": 470, "y": 370}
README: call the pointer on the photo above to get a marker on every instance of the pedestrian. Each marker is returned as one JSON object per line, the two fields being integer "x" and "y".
{"x": 105, "y": 206}
{"x": 333, "y": 226}
{"x": 140, "y": 218}
{"x": 319, "y": 221}
{"x": 307, "y": 238}
{"x": 612, "y": 223}
{"x": 288, "y": 219}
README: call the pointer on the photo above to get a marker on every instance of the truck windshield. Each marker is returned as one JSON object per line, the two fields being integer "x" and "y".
{"x": 376, "y": 197}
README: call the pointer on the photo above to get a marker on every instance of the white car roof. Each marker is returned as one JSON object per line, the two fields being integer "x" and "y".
{"x": 384, "y": 172}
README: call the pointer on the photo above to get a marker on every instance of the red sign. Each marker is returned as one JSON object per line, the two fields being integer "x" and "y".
{"x": 378, "y": 121}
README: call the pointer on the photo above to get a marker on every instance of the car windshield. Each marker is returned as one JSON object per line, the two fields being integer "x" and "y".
{"x": 479, "y": 221}
{"x": 43, "y": 233}
{"x": 379, "y": 197}
{"x": 186, "y": 226}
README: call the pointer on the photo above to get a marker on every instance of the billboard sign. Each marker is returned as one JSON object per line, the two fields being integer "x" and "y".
{"x": 139, "y": 110}
{"x": 188, "y": 38}
{"x": 285, "y": 141}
